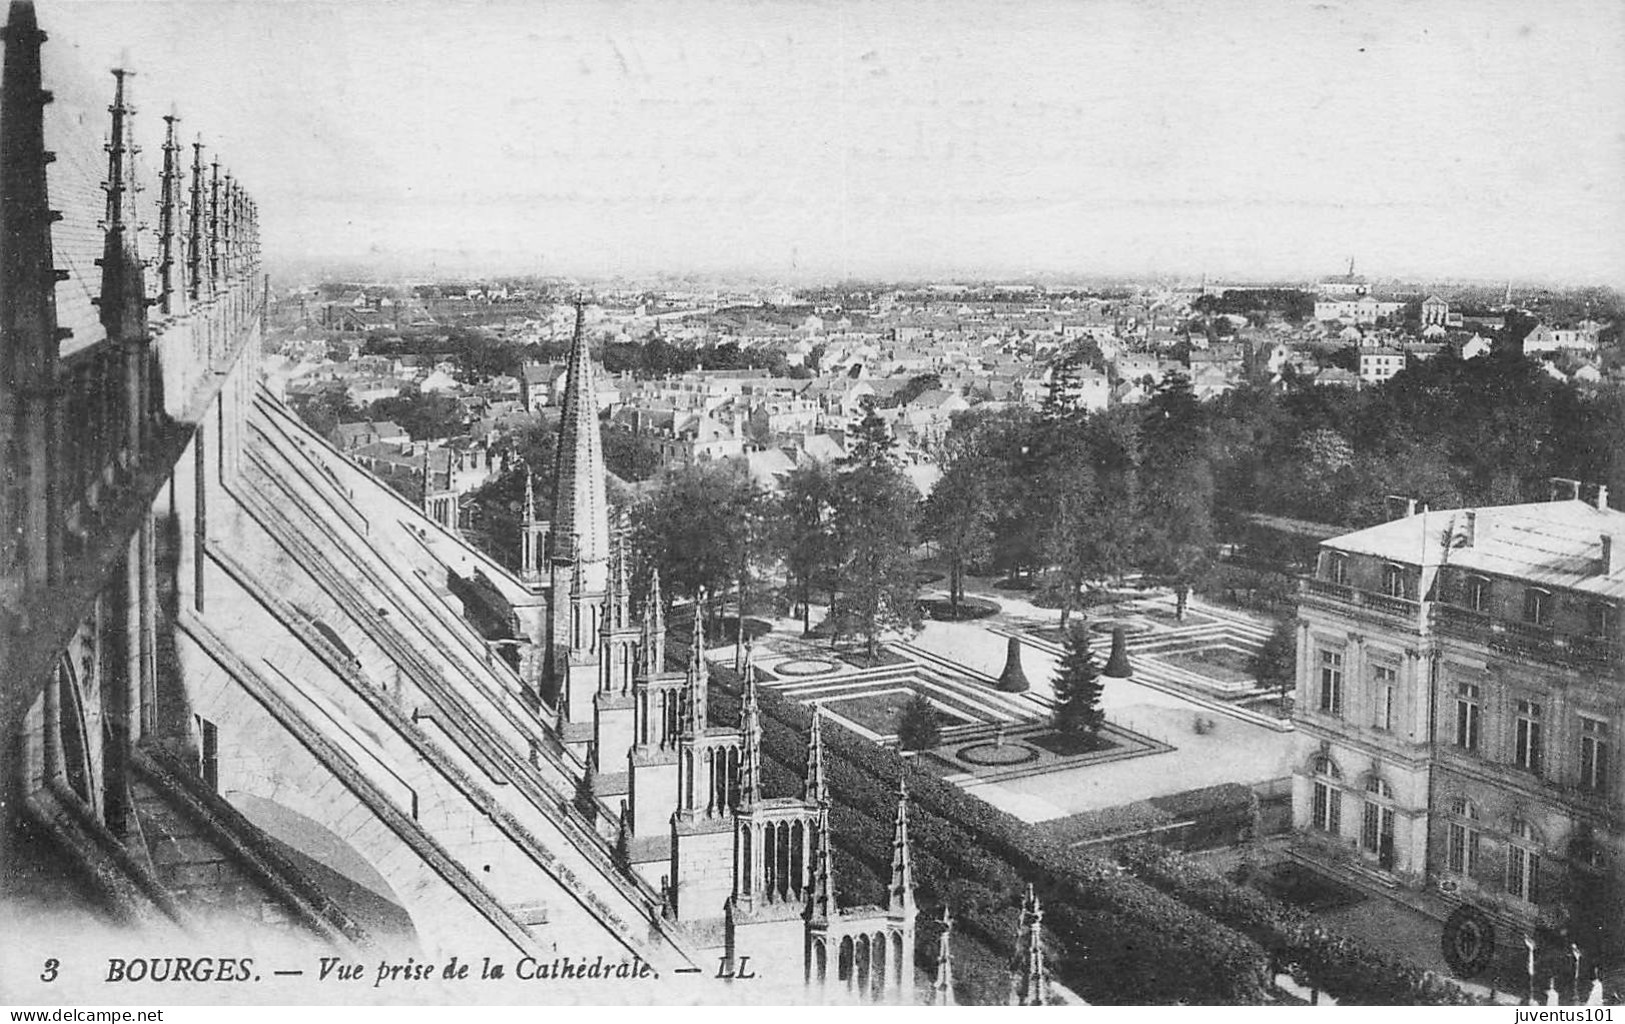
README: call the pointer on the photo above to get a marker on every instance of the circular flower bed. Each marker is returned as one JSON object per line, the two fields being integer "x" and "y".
{"x": 804, "y": 667}
{"x": 939, "y": 609}
{"x": 1130, "y": 627}
{"x": 992, "y": 755}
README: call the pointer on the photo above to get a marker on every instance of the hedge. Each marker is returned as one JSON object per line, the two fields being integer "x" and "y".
{"x": 1118, "y": 940}
{"x": 1352, "y": 973}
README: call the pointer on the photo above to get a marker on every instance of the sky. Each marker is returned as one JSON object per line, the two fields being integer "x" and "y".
{"x": 1467, "y": 139}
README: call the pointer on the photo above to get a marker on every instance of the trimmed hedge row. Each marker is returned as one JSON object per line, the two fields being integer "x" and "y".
{"x": 1352, "y": 973}
{"x": 1117, "y": 939}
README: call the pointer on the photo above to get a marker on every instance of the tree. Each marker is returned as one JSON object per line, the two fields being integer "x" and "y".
{"x": 697, "y": 527}
{"x": 875, "y": 509}
{"x": 1077, "y": 687}
{"x": 958, "y": 516}
{"x": 870, "y": 440}
{"x": 629, "y": 455}
{"x": 1177, "y": 508}
{"x": 802, "y": 530}
{"x": 1275, "y": 666}
{"x": 326, "y": 409}
{"x": 919, "y": 728}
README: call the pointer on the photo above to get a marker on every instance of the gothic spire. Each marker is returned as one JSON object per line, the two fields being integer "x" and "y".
{"x": 654, "y": 620}
{"x": 580, "y": 510}
{"x": 215, "y": 269}
{"x": 942, "y": 990}
{"x": 530, "y": 498}
{"x": 698, "y": 675}
{"x": 28, "y": 356}
{"x": 750, "y": 728}
{"x": 900, "y": 893}
{"x": 171, "y": 287}
{"x": 1030, "y": 983}
{"x": 821, "y": 896}
{"x": 198, "y": 284}
{"x": 123, "y": 299}
{"x": 816, "y": 789}
{"x": 621, "y": 584}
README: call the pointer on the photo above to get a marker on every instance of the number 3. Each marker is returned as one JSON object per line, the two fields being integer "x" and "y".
{"x": 49, "y": 974}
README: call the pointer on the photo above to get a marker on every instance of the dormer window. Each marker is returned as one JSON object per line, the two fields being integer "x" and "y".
{"x": 1394, "y": 582}
{"x": 1600, "y": 617}
{"x": 1337, "y": 567}
{"x": 1537, "y": 606}
{"x": 1477, "y": 594}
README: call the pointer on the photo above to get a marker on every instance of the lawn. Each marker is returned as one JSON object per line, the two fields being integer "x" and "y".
{"x": 880, "y": 712}
{"x": 1219, "y": 662}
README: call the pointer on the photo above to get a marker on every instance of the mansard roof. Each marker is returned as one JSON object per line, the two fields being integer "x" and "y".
{"x": 1548, "y": 543}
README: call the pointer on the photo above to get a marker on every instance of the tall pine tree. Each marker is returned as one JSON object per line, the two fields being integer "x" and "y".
{"x": 1077, "y": 687}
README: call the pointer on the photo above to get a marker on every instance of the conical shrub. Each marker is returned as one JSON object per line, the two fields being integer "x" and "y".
{"x": 1013, "y": 679}
{"x": 1117, "y": 665}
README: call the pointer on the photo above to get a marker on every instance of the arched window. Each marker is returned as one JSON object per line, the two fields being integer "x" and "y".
{"x": 1377, "y": 821}
{"x": 1327, "y": 809}
{"x": 1523, "y": 861}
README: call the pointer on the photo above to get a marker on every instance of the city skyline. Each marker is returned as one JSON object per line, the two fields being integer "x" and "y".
{"x": 805, "y": 142}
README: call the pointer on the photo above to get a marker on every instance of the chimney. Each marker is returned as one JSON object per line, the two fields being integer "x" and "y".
{"x": 1564, "y": 489}
{"x": 1606, "y": 564}
{"x": 1469, "y": 532}
{"x": 1602, "y": 497}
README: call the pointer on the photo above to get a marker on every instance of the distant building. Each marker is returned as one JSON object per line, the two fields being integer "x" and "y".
{"x": 1580, "y": 338}
{"x": 1435, "y": 311}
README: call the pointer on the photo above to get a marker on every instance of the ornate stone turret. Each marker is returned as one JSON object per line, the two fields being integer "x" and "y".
{"x": 1029, "y": 983}
{"x": 699, "y": 675}
{"x": 123, "y": 296}
{"x": 532, "y": 534}
{"x": 821, "y": 896}
{"x": 28, "y": 323}
{"x": 900, "y": 893}
{"x": 216, "y": 269}
{"x": 654, "y": 620}
{"x": 816, "y": 788}
{"x": 171, "y": 239}
{"x": 198, "y": 284}
{"x": 750, "y": 728}
{"x": 942, "y": 989}
{"x": 620, "y": 584}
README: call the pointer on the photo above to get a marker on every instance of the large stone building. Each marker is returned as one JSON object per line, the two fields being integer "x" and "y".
{"x": 1461, "y": 694}
{"x": 242, "y": 688}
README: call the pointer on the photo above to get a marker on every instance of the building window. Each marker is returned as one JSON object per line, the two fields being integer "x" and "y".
{"x": 1600, "y": 620}
{"x": 1331, "y": 682}
{"x": 1337, "y": 568}
{"x": 1537, "y": 607}
{"x": 1467, "y": 710}
{"x": 1478, "y": 593}
{"x": 1526, "y": 748}
{"x": 1593, "y": 754}
{"x": 1394, "y": 583}
{"x": 1385, "y": 682}
{"x": 1328, "y": 799}
{"x": 1461, "y": 854}
{"x": 1377, "y": 822}
{"x": 1523, "y": 863}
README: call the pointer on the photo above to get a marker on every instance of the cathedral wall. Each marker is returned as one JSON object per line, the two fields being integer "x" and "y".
{"x": 702, "y": 874}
